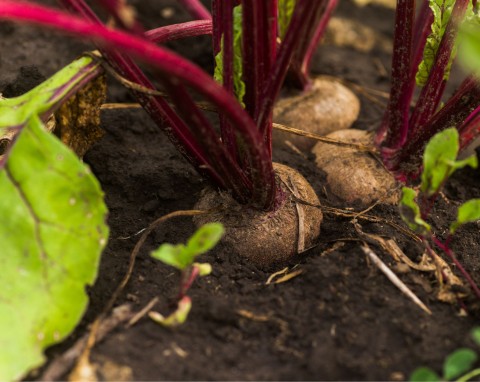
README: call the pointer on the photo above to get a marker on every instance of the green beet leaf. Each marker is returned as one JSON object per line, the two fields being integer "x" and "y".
{"x": 410, "y": 212}
{"x": 285, "y": 11}
{"x": 458, "y": 363}
{"x": 238, "y": 84}
{"x": 442, "y": 10}
{"x": 205, "y": 238}
{"x": 16, "y": 111}
{"x": 468, "y": 212}
{"x": 173, "y": 255}
{"x": 470, "y": 46}
{"x": 52, "y": 235}
{"x": 182, "y": 256}
{"x": 439, "y": 160}
{"x": 476, "y": 335}
{"x": 424, "y": 374}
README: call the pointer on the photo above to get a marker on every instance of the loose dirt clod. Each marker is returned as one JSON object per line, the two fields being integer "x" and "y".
{"x": 353, "y": 176}
{"x": 328, "y": 106}
{"x": 265, "y": 237}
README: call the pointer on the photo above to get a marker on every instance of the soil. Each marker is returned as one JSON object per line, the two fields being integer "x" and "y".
{"x": 339, "y": 319}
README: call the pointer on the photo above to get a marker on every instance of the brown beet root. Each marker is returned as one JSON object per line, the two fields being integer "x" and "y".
{"x": 354, "y": 176}
{"x": 266, "y": 237}
{"x": 327, "y": 107}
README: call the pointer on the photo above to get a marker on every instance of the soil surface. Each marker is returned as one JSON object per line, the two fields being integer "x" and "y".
{"x": 338, "y": 319}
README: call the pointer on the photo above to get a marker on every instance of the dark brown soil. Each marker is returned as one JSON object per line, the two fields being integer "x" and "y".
{"x": 340, "y": 319}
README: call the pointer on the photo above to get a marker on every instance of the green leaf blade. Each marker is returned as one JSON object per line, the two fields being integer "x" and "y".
{"x": 410, "y": 212}
{"x": 239, "y": 88}
{"x": 206, "y": 237}
{"x": 458, "y": 363}
{"x": 442, "y": 10}
{"x": 173, "y": 255}
{"x": 440, "y": 160}
{"x": 424, "y": 374}
{"x": 46, "y": 259}
{"x": 476, "y": 335}
{"x": 285, "y": 12}
{"x": 468, "y": 212}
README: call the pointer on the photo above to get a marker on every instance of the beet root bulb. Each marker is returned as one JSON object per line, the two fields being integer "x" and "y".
{"x": 267, "y": 237}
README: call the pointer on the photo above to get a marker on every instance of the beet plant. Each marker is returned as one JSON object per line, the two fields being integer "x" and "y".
{"x": 182, "y": 257}
{"x": 457, "y": 366}
{"x": 424, "y": 48}
{"x": 255, "y": 199}
{"x": 439, "y": 163}
{"x": 314, "y": 104}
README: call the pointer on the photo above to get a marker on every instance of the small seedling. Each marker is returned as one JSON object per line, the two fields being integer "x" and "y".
{"x": 183, "y": 257}
{"x": 457, "y": 366}
{"x": 439, "y": 163}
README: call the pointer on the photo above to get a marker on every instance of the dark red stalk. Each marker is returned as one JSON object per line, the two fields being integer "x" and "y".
{"x": 169, "y": 66}
{"x": 196, "y": 9}
{"x": 158, "y": 109}
{"x": 299, "y": 74}
{"x": 224, "y": 20}
{"x": 317, "y": 36}
{"x": 466, "y": 99}
{"x": 217, "y": 14}
{"x": 179, "y": 31}
{"x": 279, "y": 70}
{"x": 259, "y": 47}
{"x": 422, "y": 29}
{"x": 269, "y": 187}
{"x": 187, "y": 278}
{"x": 395, "y": 122}
{"x": 460, "y": 267}
{"x": 432, "y": 92}
{"x": 205, "y": 135}
{"x": 311, "y": 22}
{"x": 470, "y": 129}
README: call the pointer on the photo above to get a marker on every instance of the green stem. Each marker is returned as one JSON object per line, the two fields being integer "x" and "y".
{"x": 469, "y": 376}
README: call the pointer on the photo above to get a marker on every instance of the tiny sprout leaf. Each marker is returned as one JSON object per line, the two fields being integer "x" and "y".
{"x": 458, "y": 363}
{"x": 173, "y": 255}
{"x": 176, "y": 318}
{"x": 205, "y": 238}
{"x": 476, "y": 335}
{"x": 410, "y": 212}
{"x": 182, "y": 256}
{"x": 439, "y": 160}
{"x": 424, "y": 374}
{"x": 468, "y": 212}
{"x": 204, "y": 269}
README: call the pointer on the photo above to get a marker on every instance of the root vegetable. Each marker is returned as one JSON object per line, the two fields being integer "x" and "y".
{"x": 267, "y": 237}
{"x": 328, "y": 106}
{"x": 354, "y": 177}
